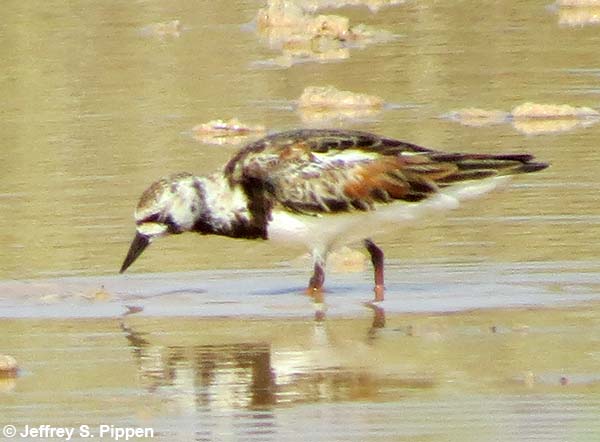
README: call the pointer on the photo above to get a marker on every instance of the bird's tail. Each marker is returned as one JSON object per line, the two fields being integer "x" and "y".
{"x": 480, "y": 166}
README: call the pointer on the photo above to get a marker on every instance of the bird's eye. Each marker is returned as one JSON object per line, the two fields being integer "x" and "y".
{"x": 149, "y": 219}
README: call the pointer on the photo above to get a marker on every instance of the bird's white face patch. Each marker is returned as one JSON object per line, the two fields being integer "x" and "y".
{"x": 152, "y": 230}
{"x": 183, "y": 205}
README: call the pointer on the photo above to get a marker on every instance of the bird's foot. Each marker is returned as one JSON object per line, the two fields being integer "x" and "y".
{"x": 379, "y": 291}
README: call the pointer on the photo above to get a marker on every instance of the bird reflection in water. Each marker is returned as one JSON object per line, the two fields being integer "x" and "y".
{"x": 254, "y": 375}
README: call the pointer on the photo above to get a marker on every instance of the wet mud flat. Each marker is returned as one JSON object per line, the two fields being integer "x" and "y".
{"x": 445, "y": 362}
{"x": 279, "y": 292}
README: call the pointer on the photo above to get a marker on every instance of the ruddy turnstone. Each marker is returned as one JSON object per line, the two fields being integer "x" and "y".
{"x": 320, "y": 188}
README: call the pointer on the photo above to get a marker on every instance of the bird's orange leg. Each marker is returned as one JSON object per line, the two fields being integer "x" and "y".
{"x": 377, "y": 260}
{"x": 315, "y": 288}
{"x": 315, "y": 285}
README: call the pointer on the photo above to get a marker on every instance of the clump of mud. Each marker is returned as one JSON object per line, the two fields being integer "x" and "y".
{"x": 530, "y": 118}
{"x": 578, "y": 13}
{"x": 8, "y": 366}
{"x": 288, "y": 26}
{"x": 328, "y": 103}
{"x": 220, "y": 132}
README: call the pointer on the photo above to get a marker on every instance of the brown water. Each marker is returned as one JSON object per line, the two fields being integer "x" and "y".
{"x": 494, "y": 375}
{"x": 97, "y": 104}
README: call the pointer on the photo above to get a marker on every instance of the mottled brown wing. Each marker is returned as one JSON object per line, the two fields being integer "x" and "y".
{"x": 320, "y": 171}
{"x": 265, "y": 154}
{"x": 306, "y": 170}
{"x": 322, "y": 185}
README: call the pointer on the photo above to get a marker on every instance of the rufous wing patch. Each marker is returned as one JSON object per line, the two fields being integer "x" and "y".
{"x": 369, "y": 180}
{"x": 406, "y": 178}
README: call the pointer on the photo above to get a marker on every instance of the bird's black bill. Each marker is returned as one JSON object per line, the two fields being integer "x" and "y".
{"x": 139, "y": 243}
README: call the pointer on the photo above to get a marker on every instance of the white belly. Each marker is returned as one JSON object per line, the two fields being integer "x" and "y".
{"x": 330, "y": 230}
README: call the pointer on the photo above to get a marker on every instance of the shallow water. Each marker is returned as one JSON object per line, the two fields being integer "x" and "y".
{"x": 520, "y": 374}
{"x": 490, "y": 330}
{"x": 96, "y": 109}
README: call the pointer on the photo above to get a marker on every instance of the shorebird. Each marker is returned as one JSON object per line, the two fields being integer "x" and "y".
{"x": 321, "y": 188}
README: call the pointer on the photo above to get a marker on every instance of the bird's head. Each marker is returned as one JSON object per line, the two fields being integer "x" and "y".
{"x": 171, "y": 205}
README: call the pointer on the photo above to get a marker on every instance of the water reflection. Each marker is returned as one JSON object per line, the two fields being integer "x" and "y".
{"x": 171, "y": 29}
{"x": 250, "y": 375}
{"x": 515, "y": 374}
{"x": 228, "y": 376}
{"x": 378, "y": 320}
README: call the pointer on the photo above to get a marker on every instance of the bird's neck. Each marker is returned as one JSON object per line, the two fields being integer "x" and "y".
{"x": 226, "y": 210}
